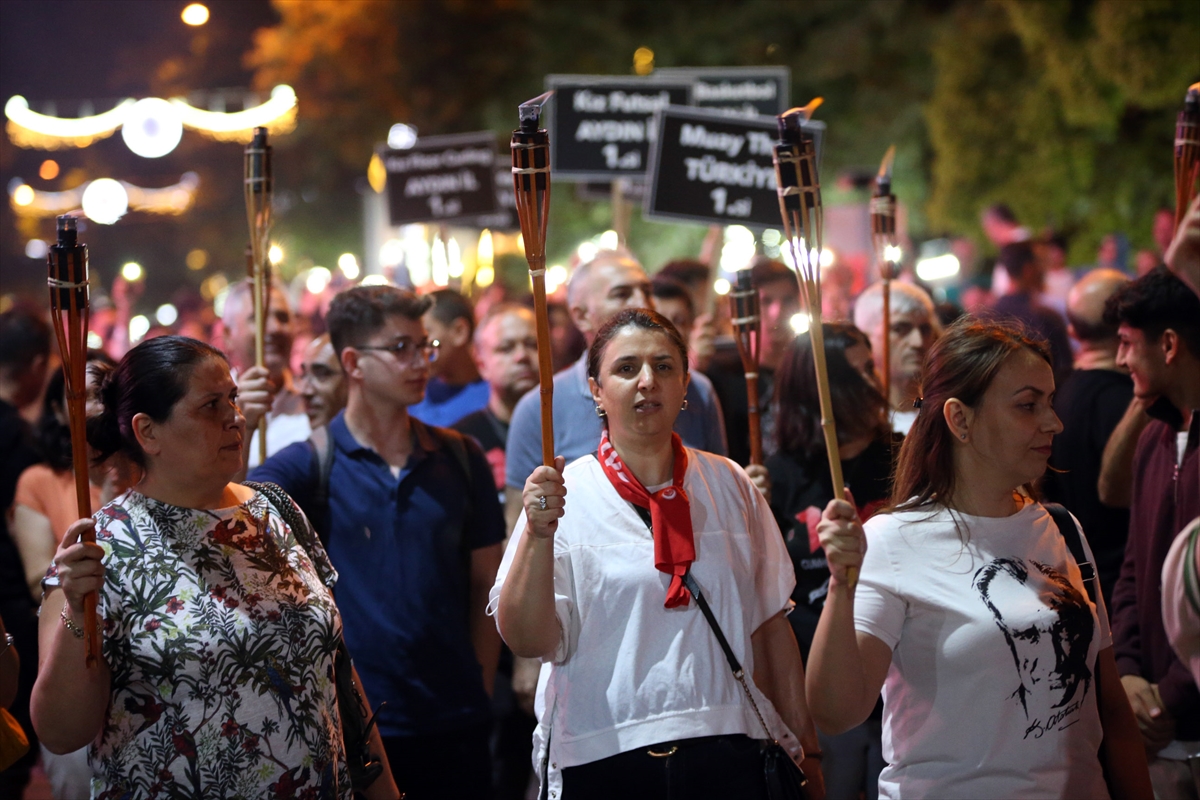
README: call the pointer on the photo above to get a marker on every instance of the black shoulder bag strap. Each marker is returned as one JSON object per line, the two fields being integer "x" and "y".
{"x": 1070, "y": 533}
{"x": 363, "y": 765}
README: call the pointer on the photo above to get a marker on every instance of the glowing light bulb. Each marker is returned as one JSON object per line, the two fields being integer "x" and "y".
{"x": 391, "y": 253}
{"x": 454, "y": 264}
{"x": 105, "y": 201}
{"x": 556, "y": 276}
{"x": 721, "y": 286}
{"x": 484, "y": 252}
{"x": 166, "y": 314}
{"x": 195, "y": 14}
{"x": 893, "y": 254}
{"x": 938, "y": 267}
{"x": 153, "y": 128}
{"x": 586, "y": 252}
{"x": 196, "y": 259}
{"x": 348, "y": 264}
{"x": 132, "y": 271}
{"x": 318, "y": 279}
{"x": 275, "y": 255}
{"x": 800, "y": 323}
{"x": 138, "y": 327}
{"x": 401, "y": 136}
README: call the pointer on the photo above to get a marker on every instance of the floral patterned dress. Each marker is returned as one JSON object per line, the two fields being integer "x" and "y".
{"x": 220, "y": 635}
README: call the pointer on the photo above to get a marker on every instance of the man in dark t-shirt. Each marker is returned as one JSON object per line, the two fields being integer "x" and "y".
{"x": 506, "y": 354}
{"x": 1090, "y": 403}
{"x": 1021, "y": 304}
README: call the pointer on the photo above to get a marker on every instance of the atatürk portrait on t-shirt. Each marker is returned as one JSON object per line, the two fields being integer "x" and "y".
{"x": 1049, "y": 627}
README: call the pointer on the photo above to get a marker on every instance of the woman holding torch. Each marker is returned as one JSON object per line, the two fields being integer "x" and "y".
{"x": 215, "y": 675}
{"x": 637, "y": 695}
{"x": 972, "y": 611}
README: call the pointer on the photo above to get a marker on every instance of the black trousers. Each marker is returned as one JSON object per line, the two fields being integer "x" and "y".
{"x": 443, "y": 766}
{"x": 708, "y": 768}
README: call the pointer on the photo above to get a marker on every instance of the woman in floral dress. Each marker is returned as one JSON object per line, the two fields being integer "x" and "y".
{"x": 218, "y": 630}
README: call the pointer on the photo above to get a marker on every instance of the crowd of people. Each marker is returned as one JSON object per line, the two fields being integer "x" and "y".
{"x": 1001, "y": 606}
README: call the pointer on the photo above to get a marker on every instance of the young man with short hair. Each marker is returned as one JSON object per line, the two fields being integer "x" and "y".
{"x": 413, "y": 526}
{"x": 1158, "y": 321}
{"x": 455, "y": 387}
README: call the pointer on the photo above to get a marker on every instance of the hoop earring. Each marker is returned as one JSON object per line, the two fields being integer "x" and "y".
{"x": 684, "y": 406}
{"x": 600, "y": 412}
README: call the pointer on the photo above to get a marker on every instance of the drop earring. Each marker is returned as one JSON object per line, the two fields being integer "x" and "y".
{"x": 600, "y": 412}
{"x": 684, "y": 406}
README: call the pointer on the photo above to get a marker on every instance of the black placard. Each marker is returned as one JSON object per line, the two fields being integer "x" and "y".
{"x": 710, "y": 167}
{"x": 442, "y": 178}
{"x": 736, "y": 90}
{"x": 601, "y": 126}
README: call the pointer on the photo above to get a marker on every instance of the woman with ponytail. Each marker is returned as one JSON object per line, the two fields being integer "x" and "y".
{"x": 972, "y": 612}
{"x": 218, "y": 630}
{"x": 608, "y": 587}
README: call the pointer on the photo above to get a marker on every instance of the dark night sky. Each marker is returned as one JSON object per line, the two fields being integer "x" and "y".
{"x": 66, "y": 51}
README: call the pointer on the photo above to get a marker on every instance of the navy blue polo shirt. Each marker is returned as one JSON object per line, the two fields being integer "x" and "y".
{"x": 401, "y": 546}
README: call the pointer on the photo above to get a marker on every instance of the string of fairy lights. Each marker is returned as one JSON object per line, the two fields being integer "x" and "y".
{"x": 151, "y": 128}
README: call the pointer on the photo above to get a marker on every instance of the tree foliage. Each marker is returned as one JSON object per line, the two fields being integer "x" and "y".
{"x": 1064, "y": 109}
{"x": 1061, "y": 108}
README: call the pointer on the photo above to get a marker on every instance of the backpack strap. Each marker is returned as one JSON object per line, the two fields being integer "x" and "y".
{"x": 457, "y": 444}
{"x": 1070, "y": 533}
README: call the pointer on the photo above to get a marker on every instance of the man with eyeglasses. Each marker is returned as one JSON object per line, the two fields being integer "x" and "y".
{"x": 412, "y": 523}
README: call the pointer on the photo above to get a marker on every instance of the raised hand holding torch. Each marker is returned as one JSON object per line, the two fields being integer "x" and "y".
{"x": 68, "y": 281}
{"x": 258, "y": 191}
{"x": 799, "y": 190}
{"x": 1187, "y": 153}
{"x": 883, "y": 236}
{"x": 531, "y": 182}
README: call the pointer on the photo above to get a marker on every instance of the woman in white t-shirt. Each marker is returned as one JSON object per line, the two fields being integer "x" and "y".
{"x": 997, "y": 671}
{"x": 636, "y": 699}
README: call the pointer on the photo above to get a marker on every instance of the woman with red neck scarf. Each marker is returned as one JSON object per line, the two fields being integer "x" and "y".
{"x": 637, "y": 697}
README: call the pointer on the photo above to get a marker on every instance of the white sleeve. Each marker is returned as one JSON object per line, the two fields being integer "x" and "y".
{"x": 564, "y": 602}
{"x": 774, "y": 576}
{"x": 879, "y": 607}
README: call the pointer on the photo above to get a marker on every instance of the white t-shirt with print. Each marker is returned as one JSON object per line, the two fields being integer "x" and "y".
{"x": 991, "y": 691}
{"x": 628, "y": 672}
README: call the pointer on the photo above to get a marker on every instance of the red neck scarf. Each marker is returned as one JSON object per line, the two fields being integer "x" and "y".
{"x": 670, "y": 515}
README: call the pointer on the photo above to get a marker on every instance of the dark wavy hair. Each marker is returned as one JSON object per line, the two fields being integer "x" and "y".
{"x": 150, "y": 380}
{"x": 357, "y": 314}
{"x": 859, "y": 408}
{"x": 1154, "y": 302}
{"x": 642, "y": 318}
{"x": 53, "y": 437}
{"x": 961, "y": 364}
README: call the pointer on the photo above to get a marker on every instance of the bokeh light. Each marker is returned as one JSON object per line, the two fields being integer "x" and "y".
{"x": 166, "y": 314}
{"x": 104, "y": 201}
{"x": 153, "y": 128}
{"x": 196, "y": 259}
{"x": 132, "y": 271}
{"x": 195, "y": 14}
{"x": 48, "y": 171}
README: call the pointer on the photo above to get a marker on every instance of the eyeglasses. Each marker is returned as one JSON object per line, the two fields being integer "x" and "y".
{"x": 408, "y": 350}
